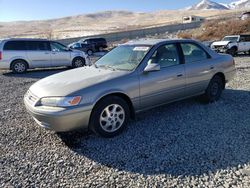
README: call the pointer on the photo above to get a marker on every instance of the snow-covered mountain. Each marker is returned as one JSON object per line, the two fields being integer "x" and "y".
{"x": 210, "y": 5}
{"x": 240, "y": 4}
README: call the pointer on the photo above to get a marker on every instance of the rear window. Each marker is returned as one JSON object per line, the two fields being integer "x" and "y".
{"x": 38, "y": 46}
{"x": 15, "y": 45}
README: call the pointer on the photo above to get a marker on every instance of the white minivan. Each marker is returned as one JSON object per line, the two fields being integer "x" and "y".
{"x": 19, "y": 55}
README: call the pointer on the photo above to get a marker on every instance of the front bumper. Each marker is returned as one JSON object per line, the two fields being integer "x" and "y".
{"x": 60, "y": 119}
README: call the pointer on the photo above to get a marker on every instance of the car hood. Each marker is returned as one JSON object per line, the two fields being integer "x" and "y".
{"x": 221, "y": 43}
{"x": 65, "y": 83}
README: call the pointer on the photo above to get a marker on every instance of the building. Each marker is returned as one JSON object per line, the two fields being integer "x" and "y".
{"x": 190, "y": 19}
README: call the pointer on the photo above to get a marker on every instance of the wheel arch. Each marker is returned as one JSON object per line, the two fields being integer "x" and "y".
{"x": 19, "y": 59}
{"x": 122, "y": 95}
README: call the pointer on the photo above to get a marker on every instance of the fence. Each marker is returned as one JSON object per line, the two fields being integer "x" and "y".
{"x": 139, "y": 33}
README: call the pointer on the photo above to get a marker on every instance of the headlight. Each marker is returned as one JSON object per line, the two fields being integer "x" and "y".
{"x": 60, "y": 101}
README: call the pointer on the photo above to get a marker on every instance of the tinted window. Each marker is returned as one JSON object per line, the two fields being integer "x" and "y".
{"x": 38, "y": 46}
{"x": 15, "y": 45}
{"x": 245, "y": 38}
{"x": 166, "y": 56}
{"x": 193, "y": 53}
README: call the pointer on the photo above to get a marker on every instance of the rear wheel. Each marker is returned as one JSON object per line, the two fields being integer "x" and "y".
{"x": 214, "y": 90}
{"x": 110, "y": 116}
{"x": 19, "y": 66}
{"x": 78, "y": 62}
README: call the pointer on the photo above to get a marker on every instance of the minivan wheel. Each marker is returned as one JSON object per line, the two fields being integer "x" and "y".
{"x": 214, "y": 90}
{"x": 90, "y": 52}
{"x": 78, "y": 62}
{"x": 110, "y": 116}
{"x": 19, "y": 66}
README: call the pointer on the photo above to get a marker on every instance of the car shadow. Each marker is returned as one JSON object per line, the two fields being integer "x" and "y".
{"x": 180, "y": 139}
{"x": 36, "y": 73}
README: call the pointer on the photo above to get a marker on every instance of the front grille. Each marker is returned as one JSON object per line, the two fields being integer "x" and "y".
{"x": 31, "y": 98}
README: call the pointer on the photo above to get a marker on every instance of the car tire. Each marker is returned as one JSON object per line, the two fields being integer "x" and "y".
{"x": 214, "y": 90}
{"x": 232, "y": 52}
{"x": 109, "y": 117}
{"x": 19, "y": 66}
{"x": 90, "y": 52}
{"x": 78, "y": 62}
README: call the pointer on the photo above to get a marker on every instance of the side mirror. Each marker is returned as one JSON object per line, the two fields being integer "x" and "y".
{"x": 152, "y": 67}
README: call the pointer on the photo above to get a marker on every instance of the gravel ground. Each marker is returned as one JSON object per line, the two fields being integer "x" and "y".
{"x": 185, "y": 144}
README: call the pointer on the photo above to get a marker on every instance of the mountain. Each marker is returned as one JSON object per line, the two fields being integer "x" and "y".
{"x": 241, "y": 4}
{"x": 208, "y": 5}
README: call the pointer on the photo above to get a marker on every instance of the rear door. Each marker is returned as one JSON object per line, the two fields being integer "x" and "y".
{"x": 61, "y": 55}
{"x": 199, "y": 68}
{"x": 38, "y": 53}
{"x": 244, "y": 44}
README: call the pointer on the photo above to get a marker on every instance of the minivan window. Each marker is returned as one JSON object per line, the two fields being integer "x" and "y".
{"x": 38, "y": 46}
{"x": 15, "y": 45}
{"x": 193, "y": 53}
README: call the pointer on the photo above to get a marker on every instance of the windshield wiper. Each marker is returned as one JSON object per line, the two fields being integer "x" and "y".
{"x": 107, "y": 67}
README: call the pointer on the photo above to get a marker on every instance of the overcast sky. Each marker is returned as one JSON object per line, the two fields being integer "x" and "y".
{"x": 13, "y": 10}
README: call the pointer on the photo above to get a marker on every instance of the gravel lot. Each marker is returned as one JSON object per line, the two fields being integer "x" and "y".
{"x": 185, "y": 144}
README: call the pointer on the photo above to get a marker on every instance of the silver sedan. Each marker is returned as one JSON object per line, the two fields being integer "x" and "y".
{"x": 133, "y": 77}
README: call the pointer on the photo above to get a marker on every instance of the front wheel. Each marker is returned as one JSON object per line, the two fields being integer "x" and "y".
{"x": 214, "y": 90}
{"x": 110, "y": 116}
{"x": 232, "y": 52}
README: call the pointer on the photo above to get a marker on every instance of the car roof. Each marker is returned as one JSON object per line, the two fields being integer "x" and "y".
{"x": 153, "y": 42}
{"x": 24, "y": 39}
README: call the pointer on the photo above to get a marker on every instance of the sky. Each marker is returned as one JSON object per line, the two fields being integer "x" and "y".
{"x": 16, "y": 10}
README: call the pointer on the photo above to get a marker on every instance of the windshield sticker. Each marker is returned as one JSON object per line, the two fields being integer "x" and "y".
{"x": 141, "y": 48}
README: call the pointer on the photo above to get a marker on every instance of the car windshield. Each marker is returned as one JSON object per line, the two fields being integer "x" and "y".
{"x": 124, "y": 57}
{"x": 231, "y": 39}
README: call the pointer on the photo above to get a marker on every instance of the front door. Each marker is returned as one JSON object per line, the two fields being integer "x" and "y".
{"x": 60, "y": 55}
{"x": 168, "y": 83}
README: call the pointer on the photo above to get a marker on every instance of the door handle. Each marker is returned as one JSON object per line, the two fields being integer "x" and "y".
{"x": 179, "y": 75}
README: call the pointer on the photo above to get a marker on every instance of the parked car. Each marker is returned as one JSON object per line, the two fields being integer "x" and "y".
{"x": 233, "y": 44}
{"x": 131, "y": 78}
{"x": 19, "y": 55}
{"x": 90, "y": 45}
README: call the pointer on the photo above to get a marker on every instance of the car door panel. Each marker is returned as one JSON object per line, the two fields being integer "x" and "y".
{"x": 168, "y": 83}
{"x": 162, "y": 86}
{"x": 198, "y": 66}
{"x": 60, "y": 56}
{"x": 39, "y": 54}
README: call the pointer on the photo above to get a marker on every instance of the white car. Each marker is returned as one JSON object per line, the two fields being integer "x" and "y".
{"x": 19, "y": 55}
{"x": 233, "y": 44}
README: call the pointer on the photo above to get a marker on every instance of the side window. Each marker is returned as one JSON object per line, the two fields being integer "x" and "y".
{"x": 15, "y": 46}
{"x": 193, "y": 53}
{"x": 38, "y": 46}
{"x": 166, "y": 56}
{"x": 57, "y": 47}
{"x": 243, "y": 39}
